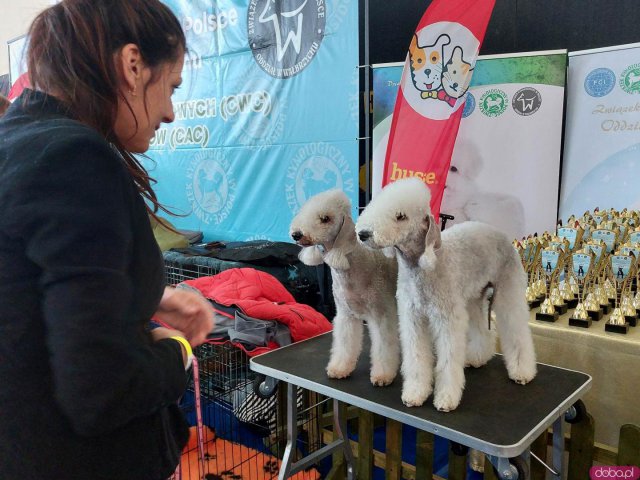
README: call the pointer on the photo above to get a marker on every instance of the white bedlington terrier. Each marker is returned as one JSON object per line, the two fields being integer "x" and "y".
{"x": 364, "y": 286}
{"x": 444, "y": 290}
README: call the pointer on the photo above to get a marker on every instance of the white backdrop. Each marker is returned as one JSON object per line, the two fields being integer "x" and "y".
{"x": 602, "y": 136}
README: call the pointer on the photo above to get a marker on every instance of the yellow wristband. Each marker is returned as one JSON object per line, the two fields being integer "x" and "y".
{"x": 187, "y": 347}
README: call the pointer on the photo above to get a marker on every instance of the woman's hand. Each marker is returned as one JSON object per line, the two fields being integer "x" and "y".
{"x": 188, "y": 312}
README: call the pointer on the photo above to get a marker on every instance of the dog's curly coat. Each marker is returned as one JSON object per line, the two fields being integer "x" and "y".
{"x": 364, "y": 286}
{"x": 442, "y": 294}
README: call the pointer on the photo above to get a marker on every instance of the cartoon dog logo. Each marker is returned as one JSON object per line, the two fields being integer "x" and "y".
{"x": 426, "y": 62}
{"x": 456, "y": 75}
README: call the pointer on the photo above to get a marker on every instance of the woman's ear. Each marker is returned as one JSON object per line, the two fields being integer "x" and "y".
{"x": 432, "y": 244}
{"x": 130, "y": 66}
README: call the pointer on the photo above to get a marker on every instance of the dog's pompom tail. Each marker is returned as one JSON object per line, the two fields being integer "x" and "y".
{"x": 311, "y": 256}
{"x": 336, "y": 259}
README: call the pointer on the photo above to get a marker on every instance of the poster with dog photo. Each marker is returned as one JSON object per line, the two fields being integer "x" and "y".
{"x": 505, "y": 166}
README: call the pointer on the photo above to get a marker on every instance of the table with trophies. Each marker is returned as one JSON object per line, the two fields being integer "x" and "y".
{"x": 585, "y": 308}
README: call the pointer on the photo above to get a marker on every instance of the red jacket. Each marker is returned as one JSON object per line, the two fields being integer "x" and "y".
{"x": 260, "y": 295}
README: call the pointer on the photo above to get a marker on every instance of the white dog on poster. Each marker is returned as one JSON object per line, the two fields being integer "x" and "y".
{"x": 466, "y": 200}
{"x": 364, "y": 286}
{"x": 444, "y": 285}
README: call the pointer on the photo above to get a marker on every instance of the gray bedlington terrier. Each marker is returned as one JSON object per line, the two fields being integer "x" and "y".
{"x": 445, "y": 283}
{"x": 364, "y": 286}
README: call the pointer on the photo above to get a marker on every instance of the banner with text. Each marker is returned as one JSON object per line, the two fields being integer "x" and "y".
{"x": 602, "y": 135}
{"x": 505, "y": 165}
{"x": 244, "y": 152}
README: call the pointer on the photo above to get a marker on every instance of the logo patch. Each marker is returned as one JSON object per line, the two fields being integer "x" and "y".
{"x": 211, "y": 187}
{"x": 316, "y": 167}
{"x": 493, "y": 102}
{"x": 630, "y": 79}
{"x": 438, "y": 69}
{"x": 526, "y": 101}
{"x": 285, "y": 35}
{"x": 469, "y": 105}
{"x": 599, "y": 82}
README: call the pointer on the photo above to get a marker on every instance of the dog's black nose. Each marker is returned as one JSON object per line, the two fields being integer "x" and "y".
{"x": 364, "y": 235}
{"x": 296, "y": 235}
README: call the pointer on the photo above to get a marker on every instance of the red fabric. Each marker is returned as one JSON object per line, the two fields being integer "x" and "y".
{"x": 429, "y": 106}
{"x": 260, "y": 295}
{"x": 19, "y": 85}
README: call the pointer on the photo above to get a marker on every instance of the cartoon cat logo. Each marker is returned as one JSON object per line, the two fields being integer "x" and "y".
{"x": 456, "y": 75}
{"x": 426, "y": 65}
{"x": 438, "y": 69}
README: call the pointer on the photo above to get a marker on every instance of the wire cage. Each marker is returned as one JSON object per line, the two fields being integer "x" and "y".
{"x": 244, "y": 434}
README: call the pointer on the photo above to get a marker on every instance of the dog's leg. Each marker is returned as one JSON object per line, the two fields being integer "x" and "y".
{"x": 481, "y": 342}
{"x": 512, "y": 320}
{"x": 417, "y": 356}
{"x": 450, "y": 337}
{"x": 385, "y": 348}
{"x": 346, "y": 345}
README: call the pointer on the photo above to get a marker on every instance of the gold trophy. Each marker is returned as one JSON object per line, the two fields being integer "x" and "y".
{"x": 530, "y": 254}
{"x": 551, "y": 265}
{"x": 599, "y": 249}
{"x": 573, "y": 233}
{"x": 620, "y": 272}
{"x": 581, "y": 270}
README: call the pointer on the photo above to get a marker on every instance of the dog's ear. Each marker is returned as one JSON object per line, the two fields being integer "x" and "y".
{"x": 432, "y": 244}
{"x": 311, "y": 256}
{"x": 389, "y": 252}
{"x": 344, "y": 244}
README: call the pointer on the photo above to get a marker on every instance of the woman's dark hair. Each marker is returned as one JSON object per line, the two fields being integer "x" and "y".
{"x": 4, "y": 104}
{"x": 72, "y": 47}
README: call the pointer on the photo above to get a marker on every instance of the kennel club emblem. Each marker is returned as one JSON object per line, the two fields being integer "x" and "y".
{"x": 439, "y": 68}
{"x": 285, "y": 35}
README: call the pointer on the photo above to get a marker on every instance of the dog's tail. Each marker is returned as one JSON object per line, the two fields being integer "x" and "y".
{"x": 488, "y": 293}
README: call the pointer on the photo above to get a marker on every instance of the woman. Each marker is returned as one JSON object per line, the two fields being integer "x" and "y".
{"x": 86, "y": 390}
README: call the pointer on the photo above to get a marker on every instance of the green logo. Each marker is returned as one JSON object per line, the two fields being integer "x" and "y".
{"x": 630, "y": 79}
{"x": 493, "y": 102}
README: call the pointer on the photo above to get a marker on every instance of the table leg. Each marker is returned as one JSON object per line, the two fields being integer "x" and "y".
{"x": 288, "y": 466}
{"x": 557, "y": 454}
{"x": 292, "y": 432}
{"x": 340, "y": 424}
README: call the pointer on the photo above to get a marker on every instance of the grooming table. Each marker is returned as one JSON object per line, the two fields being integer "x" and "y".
{"x": 496, "y": 416}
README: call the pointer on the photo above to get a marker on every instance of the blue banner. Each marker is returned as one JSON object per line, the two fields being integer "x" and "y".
{"x": 267, "y": 115}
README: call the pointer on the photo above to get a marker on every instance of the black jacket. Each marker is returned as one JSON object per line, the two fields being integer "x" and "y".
{"x": 84, "y": 393}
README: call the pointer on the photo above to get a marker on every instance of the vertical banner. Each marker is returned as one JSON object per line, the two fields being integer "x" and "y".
{"x": 506, "y": 161}
{"x": 436, "y": 75}
{"x": 244, "y": 152}
{"x": 602, "y": 135}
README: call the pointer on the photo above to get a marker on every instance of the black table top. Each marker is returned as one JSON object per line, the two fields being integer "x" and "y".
{"x": 496, "y": 415}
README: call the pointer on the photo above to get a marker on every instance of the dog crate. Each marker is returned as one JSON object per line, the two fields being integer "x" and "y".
{"x": 244, "y": 426}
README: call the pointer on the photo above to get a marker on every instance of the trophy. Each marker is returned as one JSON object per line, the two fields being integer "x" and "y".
{"x": 608, "y": 233}
{"x": 573, "y": 232}
{"x": 597, "y": 287}
{"x": 551, "y": 265}
{"x": 620, "y": 272}
{"x": 581, "y": 270}
{"x": 530, "y": 254}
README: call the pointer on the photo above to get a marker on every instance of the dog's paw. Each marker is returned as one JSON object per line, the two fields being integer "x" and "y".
{"x": 446, "y": 400}
{"x": 339, "y": 370}
{"x": 414, "y": 395}
{"x": 523, "y": 376}
{"x": 381, "y": 377}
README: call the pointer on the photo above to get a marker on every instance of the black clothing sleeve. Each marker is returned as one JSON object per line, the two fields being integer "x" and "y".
{"x": 74, "y": 211}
